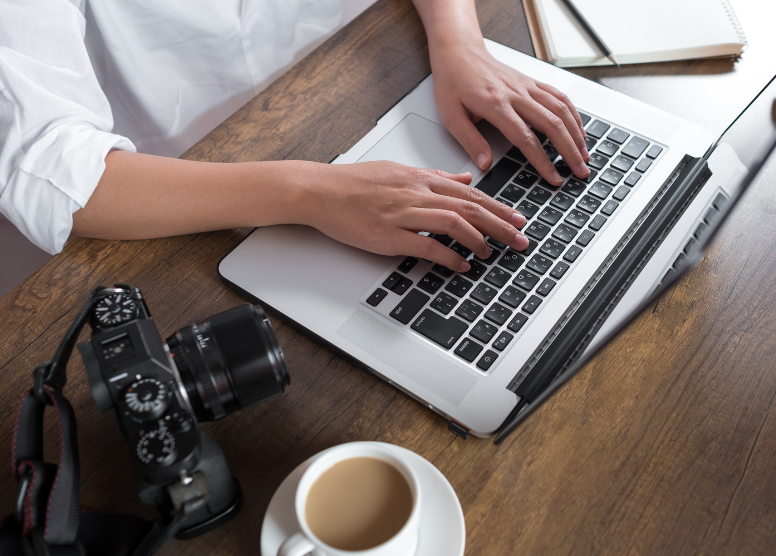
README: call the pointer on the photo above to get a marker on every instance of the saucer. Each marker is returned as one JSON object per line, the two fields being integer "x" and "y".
{"x": 442, "y": 528}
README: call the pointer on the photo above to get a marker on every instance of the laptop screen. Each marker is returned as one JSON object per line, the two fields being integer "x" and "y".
{"x": 740, "y": 154}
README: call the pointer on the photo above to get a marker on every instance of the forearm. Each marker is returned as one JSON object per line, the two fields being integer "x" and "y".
{"x": 143, "y": 196}
{"x": 449, "y": 23}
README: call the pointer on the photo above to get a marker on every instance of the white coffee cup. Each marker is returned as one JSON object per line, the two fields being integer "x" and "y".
{"x": 403, "y": 543}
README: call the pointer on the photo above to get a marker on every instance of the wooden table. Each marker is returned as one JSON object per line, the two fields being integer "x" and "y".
{"x": 663, "y": 445}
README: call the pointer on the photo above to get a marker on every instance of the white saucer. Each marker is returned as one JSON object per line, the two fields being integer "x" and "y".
{"x": 442, "y": 528}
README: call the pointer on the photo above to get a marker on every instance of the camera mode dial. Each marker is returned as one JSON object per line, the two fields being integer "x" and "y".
{"x": 157, "y": 447}
{"x": 146, "y": 399}
{"x": 115, "y": 309}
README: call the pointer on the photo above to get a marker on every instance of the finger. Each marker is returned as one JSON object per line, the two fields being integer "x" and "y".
{"x": 554, "y": 128}
{"x": 451, "y": 223}
{"x": 558, "y": 108}
{"x": 423, "y": 247}
{"x": 458, "y": 122}
{"x": 565, "y": 100}
{"x": 465, "y": 178}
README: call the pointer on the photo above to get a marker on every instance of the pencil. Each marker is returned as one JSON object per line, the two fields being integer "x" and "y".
{"x": 590, "y": 31}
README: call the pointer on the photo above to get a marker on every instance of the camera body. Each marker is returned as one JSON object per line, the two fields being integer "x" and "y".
{"x": 161, "y": 390}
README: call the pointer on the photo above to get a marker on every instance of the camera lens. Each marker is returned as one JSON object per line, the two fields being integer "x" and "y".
{"x": 228, "y": 362}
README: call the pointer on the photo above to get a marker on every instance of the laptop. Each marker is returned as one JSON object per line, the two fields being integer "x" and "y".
{"x": 480, "y": 347}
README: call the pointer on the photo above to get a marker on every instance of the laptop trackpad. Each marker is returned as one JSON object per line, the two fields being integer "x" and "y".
{"x": 418, "y": 142}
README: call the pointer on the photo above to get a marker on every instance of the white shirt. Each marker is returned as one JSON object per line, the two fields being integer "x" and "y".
{"x": 81, "y": 77}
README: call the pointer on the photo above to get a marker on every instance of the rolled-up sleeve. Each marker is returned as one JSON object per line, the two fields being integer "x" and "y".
{"x": 55, "y": 121}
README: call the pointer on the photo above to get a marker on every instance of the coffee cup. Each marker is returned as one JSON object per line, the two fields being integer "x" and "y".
{"x": 356, "y": 500}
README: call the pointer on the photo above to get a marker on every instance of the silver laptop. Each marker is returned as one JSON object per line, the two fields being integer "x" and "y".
{"x": 478, "y": 347}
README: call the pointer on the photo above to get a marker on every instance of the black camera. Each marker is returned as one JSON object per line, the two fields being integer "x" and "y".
{"x": 161, "y": 389}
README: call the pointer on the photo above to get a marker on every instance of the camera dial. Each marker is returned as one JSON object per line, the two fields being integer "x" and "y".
{"x": 157, "y": 447}
{"x": 115, "y": 309}
{"x": 146, "y": 399}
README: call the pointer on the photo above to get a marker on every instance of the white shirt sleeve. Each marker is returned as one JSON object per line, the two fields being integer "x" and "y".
{"x": 55, "y": 121}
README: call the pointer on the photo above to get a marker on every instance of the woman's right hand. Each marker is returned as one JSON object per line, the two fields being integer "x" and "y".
{"x": 381, "y": 207}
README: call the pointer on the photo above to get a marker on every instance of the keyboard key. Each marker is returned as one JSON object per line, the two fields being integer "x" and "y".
{"x": 598, "y": 222}
{"x": 518, "y": 322}
{"x": 600, "y": 190}
{"x": 655, "y": 151}
{"x": 431, "y": 283}
{"x": 690, "y": 245}
{"x": 702, "y": 231}
{"x": 552, "y": 152}
{"x": 444, "y": 303}
{"x": 577, "y": 218}
{"x": 524, "y": 178}
{"x": 494, "y": 254}
{"x": 597, "y": 161}
{"x": 559, "y": 270}
{"x": 537, "y": 230}
{"x": 612, "y": 177}
{"x": 498, "y": 177}
{"x": 711, "y": 216}
{"x": 511, "y": 261}
{"x": 442, "y": 238}
{"x": 539, "y": 263}
{"x": 720, "y": 201}
{"x": 632, "y": 179}
{"x": 487, "y": 360}
{"x": 550, "y": 216}
{"x": 585, "y": 238}
{"x": 644, "y": 165}
{"x": 590, "y": 142}
{"x": 572, "y": 254}
{"x": 476, "y": 271}
{"x": 407, "y": 265}
{"x": 597, "y": 129}
{"x": 402, "y": 286}
{"x": 484, "y": 332}
{"x": 589, "y": 179}
{"x": 409, "y": 306}
{"x": 502, "y": 341}
{"x": 484, "y": 293}
{"x": 515, "y": 153}
{"x": 680, "y": 260}
{"x": 469, "y": 310}
{"x": 530, "y": 249}
{"x": 588, "y": 203}
{"x": 545, "y": 287}
{"x": 621, "y": 193}
{"x": 392, "y": 280}
{"x": 513, "y": 193}
{"x": 458, "y": 286}
{"x": 539, "y": 135}
{"x": 526, "y": 280}
{"x": 539, "y": 195}
{"x": 531, "y": 169}
{"x": 609, "y": 208}
{"x": 622, "y": 163}
{"x": 532, "y": 304}
{"x": 618, "y": 136}
{"x": 498, "y": 314}
{"x": 585, "y": 118}
{"x": 553, "y": 248}
{"x": 495, "y": 243}
{"x": 461, "y": 250}
{"x": 437, "y": 328}
{"x": 562, "y": 201}
{"x": 498, "y": 277}
{"x": 526, "y": 209}
{"x": 563, "y": 168}
{"x": 375, "y": 299}
{"x": 607, "y": 148}
{"x": 635, "y": 147}
{"x": 442, "y": 270}
{"x": 510, "y": 204}
{"x": 512, "y": 297}
{"x": 468, "y": 349}
{"x": 566, "y": 233}
{"x": 574, "y": 187}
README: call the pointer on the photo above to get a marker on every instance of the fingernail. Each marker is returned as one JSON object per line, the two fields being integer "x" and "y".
{"x": 521, "y": 242}
{"x": 481, "y": 160}
{"x": 556, "y": 177}
{"x": 583, "y": 170}
{"x": 518, "y": 219}
{"x": 465, "y": 266}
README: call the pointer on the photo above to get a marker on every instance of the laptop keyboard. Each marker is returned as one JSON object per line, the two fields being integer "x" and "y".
{"x": 478, "y": 314}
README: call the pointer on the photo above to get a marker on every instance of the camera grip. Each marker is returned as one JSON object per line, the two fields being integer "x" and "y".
{"x": 296, "y": 545}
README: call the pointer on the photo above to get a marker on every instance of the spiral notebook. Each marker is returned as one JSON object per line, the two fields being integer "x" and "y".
{"x": 636, "y": 31}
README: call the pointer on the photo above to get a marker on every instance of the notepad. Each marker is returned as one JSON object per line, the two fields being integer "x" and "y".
{"x": 636, "y": 31}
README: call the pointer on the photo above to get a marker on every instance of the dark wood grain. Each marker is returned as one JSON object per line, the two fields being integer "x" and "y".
{"x": 662, "y": 445}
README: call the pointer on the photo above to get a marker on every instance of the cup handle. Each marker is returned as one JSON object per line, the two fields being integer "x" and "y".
{"x": 296, "y": 545}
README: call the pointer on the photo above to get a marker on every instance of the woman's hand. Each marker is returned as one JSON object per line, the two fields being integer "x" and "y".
{"x": 470, "y": 85}
{"x": 381, "y": 207}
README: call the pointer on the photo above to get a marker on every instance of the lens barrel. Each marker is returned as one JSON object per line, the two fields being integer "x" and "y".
{"x": 228, "y": 362}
